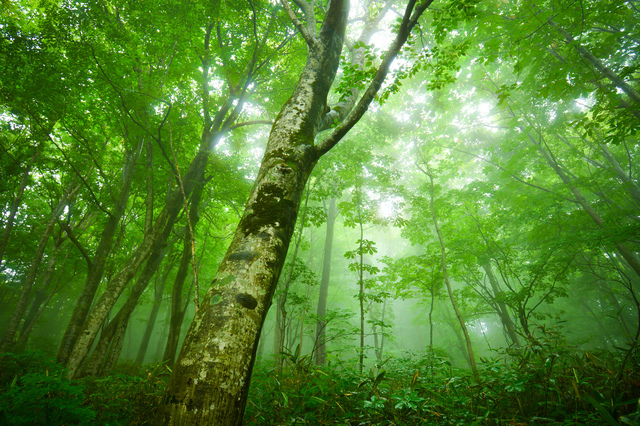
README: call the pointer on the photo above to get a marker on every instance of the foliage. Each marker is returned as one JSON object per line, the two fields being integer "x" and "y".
{"x": 39, "y": 393}
{"x": 128, "y": 396}
{"x": 34, "y": 390}
{"x": 544, "y": 382}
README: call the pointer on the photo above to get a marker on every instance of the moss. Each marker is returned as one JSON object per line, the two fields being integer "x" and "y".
{"x": 270, "y": 207}
{"x": 240, "y": 256}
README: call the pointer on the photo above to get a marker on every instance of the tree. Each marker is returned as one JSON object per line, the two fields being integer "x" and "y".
{"x": 211, "y": 377}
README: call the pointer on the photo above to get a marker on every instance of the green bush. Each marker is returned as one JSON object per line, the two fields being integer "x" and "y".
{"x": 43, "y": 398}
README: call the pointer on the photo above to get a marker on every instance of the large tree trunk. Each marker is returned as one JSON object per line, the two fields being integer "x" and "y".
{"x": 209, "y": 384}
{"x": 283, "y": 324}
{"x": 210, "y": 380}
{"x": 321, "y": 324}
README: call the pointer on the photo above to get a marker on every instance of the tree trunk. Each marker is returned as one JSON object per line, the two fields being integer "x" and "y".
{"x": 177, "y": 309}
{"x": 378, "y": 338}
{"x": 153, "y": 315}
{"x": 463, "y": 326}
{"x": 103, "y": 307}
{"x": 155, "y": 238}
{"x": 321, "y": 324}
{"x": 597, "y": 64}
{"x": 503, "y": 311}
{"x": 209, "y": 384}
{"x": 23, "y": 300}
{"x": 42, "y": 294}
{"x": 281, "y": 329}
{"x": 628, "y": 183}
{"x": 17, "y": 200}
{"x": 110, "y": 343}
{"x": 210, "y": 380}
{"x": 433, "y": 299}
{"x": 361, "y": 280}
{"x": 96, "y": 271}
{"x": 162, "y": 343}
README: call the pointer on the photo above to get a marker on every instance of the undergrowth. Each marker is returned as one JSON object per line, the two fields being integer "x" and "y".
{"x": 544, "y": 382}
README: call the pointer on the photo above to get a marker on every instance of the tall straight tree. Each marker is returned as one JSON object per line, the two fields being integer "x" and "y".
{"x": 210, "y": 379}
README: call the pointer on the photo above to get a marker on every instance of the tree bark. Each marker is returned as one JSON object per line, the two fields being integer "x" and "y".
{"x": 209, "y": 384}
{"x": 281, "y": 329}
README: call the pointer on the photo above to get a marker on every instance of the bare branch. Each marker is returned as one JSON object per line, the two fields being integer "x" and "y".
{"x": 409, "y": 20}
{"x": 308, "y": 37}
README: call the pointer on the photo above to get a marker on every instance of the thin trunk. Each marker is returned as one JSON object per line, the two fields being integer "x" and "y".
{"x": 624, "y": 251}
{"x": 503, "y": 311}
{"x": 177, "y": 309}
{"x": 18, "y": 313}
{"x": 110, "y": 343}
{"x": 162, "y": 342}
{"x": 361, "y": 280}
{"x": 96, "y": 272}
{"x": 302, "y": 318}
{"x": 597, "y": 64}
{"x": 42, "y": 294}
{"x": 103, "y": 307}
{"x": 153, "y": 241}
{"x": 17, "y": 201}
{"x": 378, "y": 338}
{"x": 153, "y": 315}
{"x": 628, "y": 183}
{"x": 445, "y": 274}
{"x": 433, "y": 298}
{"x": 321, "y": 324}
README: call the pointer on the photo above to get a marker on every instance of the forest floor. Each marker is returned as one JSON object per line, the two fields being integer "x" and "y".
{"x": 538, "y": 384}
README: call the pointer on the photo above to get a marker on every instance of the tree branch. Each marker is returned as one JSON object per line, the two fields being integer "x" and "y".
{"x": 67, "y": 229}
{"x": 409, "y": 20}
{"x": 308, "y": 37}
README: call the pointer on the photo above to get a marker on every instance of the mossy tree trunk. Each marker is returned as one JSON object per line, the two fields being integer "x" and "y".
{"x": 210, "y": 380}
